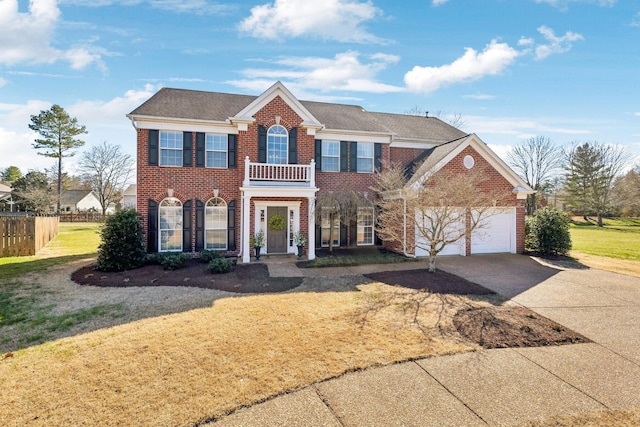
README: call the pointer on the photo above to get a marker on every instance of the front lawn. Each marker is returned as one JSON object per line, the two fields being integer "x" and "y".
{"x": 619, "y": 238}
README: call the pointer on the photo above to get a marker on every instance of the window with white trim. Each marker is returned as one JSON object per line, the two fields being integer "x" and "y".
{"x": 216, "y": 145}
{"x": 330, "y": 156}
{"x": 170, "y": 225}
{"x": 170, "y": 148}
{"x": 277, "y": 145}
{"x": 365, "y": 157}
{"x": 365, "y": 226}
{"x": 325, "y": 230}
{"x": 215, "y": 224}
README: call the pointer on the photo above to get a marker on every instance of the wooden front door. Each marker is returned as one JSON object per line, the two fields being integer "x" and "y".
{"x": 277, "y": 239}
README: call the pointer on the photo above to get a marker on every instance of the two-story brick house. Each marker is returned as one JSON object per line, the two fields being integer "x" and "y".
{"x": 214, "y": 168}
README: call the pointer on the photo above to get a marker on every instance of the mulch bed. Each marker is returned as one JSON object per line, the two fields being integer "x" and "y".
{"x": 245, "y": 278}
{"x": 505, "y": 327}
{"x": 438, "y": 282}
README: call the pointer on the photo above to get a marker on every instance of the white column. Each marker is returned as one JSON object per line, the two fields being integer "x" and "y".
{"x": 311, "y": 250}
{"x": 312, "y": 173}
{"x": 246, "y": 228}
{"x": 246, "y": 172}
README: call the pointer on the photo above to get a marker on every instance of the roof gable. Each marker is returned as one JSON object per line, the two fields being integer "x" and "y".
{"x": 277, "y": 89}
{"x": 444, "y": 153}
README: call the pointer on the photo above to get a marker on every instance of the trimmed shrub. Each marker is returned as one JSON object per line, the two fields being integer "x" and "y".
{"x": 548, "y": 232}
{"x": 220, "y": 265}
{"x": 122, "y": 246}
{"x": 206, "y": 256}
{"x": 170, "y": 260}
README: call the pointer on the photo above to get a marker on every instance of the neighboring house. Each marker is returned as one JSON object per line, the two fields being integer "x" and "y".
{"x": 215, "y": 168}
{"x": 80, "y": 201}
{"x": 5, "y": 197}
{"x": 129, "y": 196}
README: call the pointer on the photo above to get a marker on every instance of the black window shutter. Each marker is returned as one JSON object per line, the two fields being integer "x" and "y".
{"x": 377, "y": 157}
{"x": 377, "y": 239}
{"x": 186, "y": 226}
{"x": 199, "y": 225}
{"x": 344, "y": 237}
{"x": 353, "y": 233}
{"x": 293, "y": 146}
{"x": 318, "y": 236}
{"x": 318, "y": 154}
{"x": 186, "y": 148}
{"x": 231, "y": 225}
{"x": 200, "y": 150}
{"x": 154, "y": 137}
{"x": 262, "y": 144}
{"x": 353, "y": 156}
{"x": 344, "y": 156}
{"x": 231, "y": 151}
{"x": 152, "y": 223}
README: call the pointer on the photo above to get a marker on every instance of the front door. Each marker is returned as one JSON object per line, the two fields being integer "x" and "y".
{"x": 277, "y": 228}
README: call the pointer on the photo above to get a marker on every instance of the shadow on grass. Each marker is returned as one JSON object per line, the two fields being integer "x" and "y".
{"x": 16, "y": 269}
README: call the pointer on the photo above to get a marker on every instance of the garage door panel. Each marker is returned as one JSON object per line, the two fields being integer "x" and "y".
{"x": 457, "y": 248}
{"x": 496, "y": 235}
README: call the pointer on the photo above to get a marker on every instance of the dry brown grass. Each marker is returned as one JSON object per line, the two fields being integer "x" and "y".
{"x": 615, "y": 265}
{"x": 611, "y": 418}
{"x": 184, "y": 368}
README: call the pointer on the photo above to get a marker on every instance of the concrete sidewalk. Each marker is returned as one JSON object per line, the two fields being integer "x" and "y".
{"x": 490, "y": 387}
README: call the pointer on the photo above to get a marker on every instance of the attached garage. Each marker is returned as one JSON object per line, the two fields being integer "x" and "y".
{"x": 457, "y": 248}
{"x": 498, "y": 233}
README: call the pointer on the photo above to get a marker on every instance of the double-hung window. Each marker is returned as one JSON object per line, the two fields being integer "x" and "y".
{"x": 330, "y": 156}
{"x": 216, "y": 148}
{"x": 216, "y": 224}
{"x": 365, "y": 226}
{"x": 365, "y": 157}
{"x": 326, "y": 232}
{"x": 170, "y": 213}
{"x": 170, "y": 148}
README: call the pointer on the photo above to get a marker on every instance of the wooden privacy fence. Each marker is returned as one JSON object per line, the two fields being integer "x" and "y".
{"x": 23, "y": 236}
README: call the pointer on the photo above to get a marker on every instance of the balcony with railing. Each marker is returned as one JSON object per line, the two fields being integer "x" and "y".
{"x": 279, "y": 175}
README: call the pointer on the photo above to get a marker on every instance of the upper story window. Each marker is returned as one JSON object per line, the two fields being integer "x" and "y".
{"x": 330, "y": 156}
{"x": 365, "y": 157}
{"x": 216, "y": 149}
{"x": 170, "y": 213}
{"x": 277, "y": 145}
{"x": 170, "y": 148}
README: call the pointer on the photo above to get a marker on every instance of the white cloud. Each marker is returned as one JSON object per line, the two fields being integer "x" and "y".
{"x": 105, "y": 121}
{"x": 555, "y": 44}
{"x": 3, "y": 81}
{"x": 521, "y": 128}
{"x": 438, "y": 2}
{"x": 344, "y": 72}
{"x": 471, "y": 66}
{"x": 26, "y": 37}
{"x": 564, "y": 4}
{"x": 339, "y": 20}
{"x": 480, "y": 97}
{"x": 199, "y": 7}
{"x": 638, "y": 114}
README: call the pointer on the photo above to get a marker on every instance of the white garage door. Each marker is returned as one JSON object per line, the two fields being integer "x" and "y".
{"x": 498, "y": 234}
{"x": 457, "y": 248}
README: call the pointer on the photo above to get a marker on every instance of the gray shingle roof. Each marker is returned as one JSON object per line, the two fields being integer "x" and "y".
{"x": 71, "y": 197}
{"x": 424, "y": 164}
{"x": 215, "y": 106}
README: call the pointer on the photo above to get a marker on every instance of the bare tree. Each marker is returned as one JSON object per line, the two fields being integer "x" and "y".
{"x": 592, "y": 169}
{"x": 626, "y": 193}
{"x": 108, "y": 170}
{"x": 443, "y": 208}
{"x": 337, "y": 207}
{"x": 536, "y": 160}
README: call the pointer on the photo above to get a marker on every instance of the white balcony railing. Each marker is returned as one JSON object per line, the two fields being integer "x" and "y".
{"x": 267, "y": 174}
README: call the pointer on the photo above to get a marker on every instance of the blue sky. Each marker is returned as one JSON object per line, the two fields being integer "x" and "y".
{"x": 565, "y": 69}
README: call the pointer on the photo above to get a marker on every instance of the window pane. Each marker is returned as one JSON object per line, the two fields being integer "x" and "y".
{"x": 365, "y": 150}
{"x": 330, "y": 156}
{"x": 365, "y": 226}
{"x": 216, "y": 224}
{"x": 365, "y": 165}
{"x": 216, "y": 239}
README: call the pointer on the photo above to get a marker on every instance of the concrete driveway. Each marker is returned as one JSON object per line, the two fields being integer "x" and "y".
{"x": 492, "y": 387}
